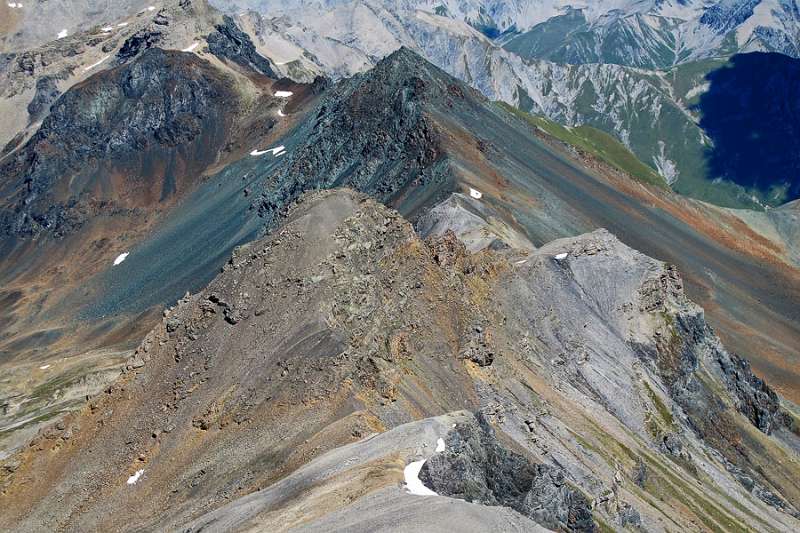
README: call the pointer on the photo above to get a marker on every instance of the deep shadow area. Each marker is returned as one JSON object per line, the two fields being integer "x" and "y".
{"x": 751, "y": 112}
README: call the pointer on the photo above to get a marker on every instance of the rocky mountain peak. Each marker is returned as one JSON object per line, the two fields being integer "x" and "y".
{"x": 160, "y": 103}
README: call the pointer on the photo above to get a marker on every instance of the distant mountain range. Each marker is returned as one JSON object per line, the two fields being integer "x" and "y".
{"x": 638, "y": 33}
{"x": 636, "y": 70}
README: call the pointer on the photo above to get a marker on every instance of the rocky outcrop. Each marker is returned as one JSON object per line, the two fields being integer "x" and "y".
{"x": 152, "y": 119}
{"x": 46, "y": 93}
{"x": 229, "y": 42}
{"x": 373, "y": 133}
{"x": 137, "y": 43}
{"x": 475, "y": 467}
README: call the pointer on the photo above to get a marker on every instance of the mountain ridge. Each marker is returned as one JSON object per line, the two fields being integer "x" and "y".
{"x": 514, "y": 328}
{"x": 334, "y": 242}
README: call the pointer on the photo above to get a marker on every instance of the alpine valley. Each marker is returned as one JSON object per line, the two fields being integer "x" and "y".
{"x": 451, "y": 265}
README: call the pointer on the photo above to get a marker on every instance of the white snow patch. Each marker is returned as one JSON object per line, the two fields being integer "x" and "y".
{"x": 522, "y": 262}
{"x": 62, "y": 34}
{"x": 281, "y": 113}
{"x": 14, "y": 5}
{"x": 413, "y": 483}
{"x": 120, "y": 258}
{"x": 122, "y": 24}
{"x": 439, "y": 445}
{"x": 90, "y": 67}
{"x": 135, "y": 477}
{"x": 475, "y": 193}
{"x": 279, "y": 150}
{"x": 283, "y": 94}
{"x": 44, "y": 367}
{"x": 151, "y": 8}
{"x": 191, "y": 48}
{"x": 561, "y": 257}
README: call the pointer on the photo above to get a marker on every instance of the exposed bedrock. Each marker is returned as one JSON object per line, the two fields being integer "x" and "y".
{"x": 475, "y": 467}
{"x": 157, "y": 121}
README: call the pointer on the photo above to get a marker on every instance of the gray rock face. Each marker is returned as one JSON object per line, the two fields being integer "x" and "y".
{"x": 475, "y": 467}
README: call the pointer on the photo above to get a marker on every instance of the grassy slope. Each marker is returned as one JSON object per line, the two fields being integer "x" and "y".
{"x": 597, "y": 143}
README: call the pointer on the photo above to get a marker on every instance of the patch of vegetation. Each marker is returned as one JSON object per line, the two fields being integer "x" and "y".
{"x": 687, "y": 76}
{"x": 44, "y": 417}
{"x": 663, "y": 483}
{"x": 603, "y": 526}
{"x": 663, "y": 411}
{"x": 47, "y": 389}
{"x": 596, "y": 143}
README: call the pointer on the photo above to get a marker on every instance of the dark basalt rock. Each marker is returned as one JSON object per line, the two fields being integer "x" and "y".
{"x": 120, "y": 120}
{"x": 46, "y": 93}
{"x": 372, "y": 133}
{"x": 138, "y": 43}
{"x": 229, "y": 42}
{"x": 475, "y": 467}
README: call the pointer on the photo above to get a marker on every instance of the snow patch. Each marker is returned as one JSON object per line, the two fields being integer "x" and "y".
{"x": 135, "y": 477}
{"x": 62, "y": 34}
{"x": 122, "y": 24}
{"x": 279, "y": 150}
{"x": 90, "y": 67}
{"x": 413, "y": 483}
{"x": 106, "y": 29}
{"x": 561, "y": 257}
{"x": 475, "y": 193}
{"x": 281, "y": 113}
{"x": 151, "y": 8}
{"x": 44, "y": 367}
{"x": 14, "y": 5}
{"x": 283, "y": 94}
{"x": 120, "y": 258}
{"x": 439, "y": 445}
{"x": 191, "y": 48}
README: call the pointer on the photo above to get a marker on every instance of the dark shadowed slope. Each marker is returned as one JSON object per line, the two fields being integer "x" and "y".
{"x": 751, "y": 112}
